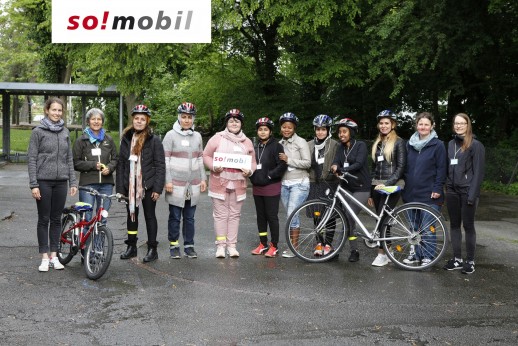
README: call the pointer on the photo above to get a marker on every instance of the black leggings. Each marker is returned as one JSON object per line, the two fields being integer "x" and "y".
{"x": 149, "y": 214}
{"x": 50, "y": 206}
{"x": 267, "y": 210}
{"x": 462, "y": 213}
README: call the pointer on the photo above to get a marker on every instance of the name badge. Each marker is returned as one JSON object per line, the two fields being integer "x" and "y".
{"x": 346, "y": 164}
{"x": 185, "y": 143}
{"x": 96, "y": 152}
{"x": 133, "y": 158}
{"x": 454, "y": 161}
{"x": 259, "y": 166}
{"x": 320, "y": 161}
{"x": 290, "y": 169}
{"x": 381, "y": 158}
{"x": 238, "y": 149}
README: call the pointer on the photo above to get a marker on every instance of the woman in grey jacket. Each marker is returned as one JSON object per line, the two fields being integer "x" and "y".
{"x": 51, "y": 172}
{"x": 295, "y": 182}
{"x": 95, "y": 157}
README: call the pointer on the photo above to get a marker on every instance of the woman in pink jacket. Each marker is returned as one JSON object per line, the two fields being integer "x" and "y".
{"x": 227, "y": 186}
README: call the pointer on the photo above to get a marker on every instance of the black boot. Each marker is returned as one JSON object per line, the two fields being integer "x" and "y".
{"x": 152, "y": 254}
{"x": 131, "y": 251}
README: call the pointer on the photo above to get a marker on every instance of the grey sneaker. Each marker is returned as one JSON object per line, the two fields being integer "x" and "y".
{"x": 175, "y": 252}
{"x": 288, "y": 254}
{"x": 189, "y": 252}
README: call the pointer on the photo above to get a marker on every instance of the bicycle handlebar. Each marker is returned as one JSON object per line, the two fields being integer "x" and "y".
{"x": 346, "y": 175}
{"x": 120, "y": 197}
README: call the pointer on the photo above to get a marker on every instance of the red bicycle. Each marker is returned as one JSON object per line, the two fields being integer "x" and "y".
{"x": 96, "y": 242}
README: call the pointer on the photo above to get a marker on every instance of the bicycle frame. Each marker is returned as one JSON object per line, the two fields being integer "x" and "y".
{"x": 386, "y": 211}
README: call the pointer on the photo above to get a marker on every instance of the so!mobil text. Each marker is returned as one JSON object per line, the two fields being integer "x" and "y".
{"x": 162, "y": 21}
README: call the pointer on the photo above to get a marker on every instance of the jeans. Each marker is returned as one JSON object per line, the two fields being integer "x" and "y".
{"x": 292, "y": 196}
{"x": 50, "y": 206}
{"x": 88, "y": 198}
{"x": 173, "y": 224}
{"x": 424, "y": 225}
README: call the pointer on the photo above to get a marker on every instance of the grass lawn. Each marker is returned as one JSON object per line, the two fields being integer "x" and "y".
{"x": 20, "y": 139}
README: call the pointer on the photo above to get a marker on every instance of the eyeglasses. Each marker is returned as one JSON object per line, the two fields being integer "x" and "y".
{"x": 460, "y": 124}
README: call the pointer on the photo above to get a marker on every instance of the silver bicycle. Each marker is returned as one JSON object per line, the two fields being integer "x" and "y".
{"x": 413, "y": 235}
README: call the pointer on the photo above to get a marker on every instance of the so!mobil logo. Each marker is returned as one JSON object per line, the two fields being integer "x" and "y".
{"x": 131, "y": 21}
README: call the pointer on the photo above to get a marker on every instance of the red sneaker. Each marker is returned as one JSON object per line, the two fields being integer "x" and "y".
{"x": 272, "y": 251}
{"x": 260, "y": 249}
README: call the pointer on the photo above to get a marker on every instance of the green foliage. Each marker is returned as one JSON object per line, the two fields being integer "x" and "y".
{"x": 511, "y": 189}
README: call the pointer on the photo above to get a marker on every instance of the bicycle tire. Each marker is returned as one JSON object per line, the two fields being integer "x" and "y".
{"x": 98, "y": 253}
{"x": 66, "y": 251}
{"x": 428, "y": 239}
{"x": 309, "y": 236}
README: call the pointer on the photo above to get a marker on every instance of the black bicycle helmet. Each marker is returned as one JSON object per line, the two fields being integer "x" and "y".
{"x": 142, "y": 109}
{"x": 289, "y": 117}
{"x": 264, "y": 122}
{"x": 234, "y": 113}
{"x": 187, "y": 108}
{"x": 387, "y": 113}
{"x": 322, "y": 120}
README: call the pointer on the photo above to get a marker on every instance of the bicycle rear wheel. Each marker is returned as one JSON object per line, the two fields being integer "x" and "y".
{"x": 418, "y": 236}
{"x": 314, "y": 240}
{"x": 98, "y": 252}
{"x": 66, "y": 249}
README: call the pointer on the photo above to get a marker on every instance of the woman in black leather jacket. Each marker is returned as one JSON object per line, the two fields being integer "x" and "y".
{"x": 388, "y": 166}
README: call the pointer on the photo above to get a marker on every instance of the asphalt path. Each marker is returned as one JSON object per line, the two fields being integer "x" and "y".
{"x": 251, "y": 300}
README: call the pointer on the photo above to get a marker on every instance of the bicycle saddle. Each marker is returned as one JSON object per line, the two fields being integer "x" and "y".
{"x": 78, "y": 207}
{"x": 387, "y": 190}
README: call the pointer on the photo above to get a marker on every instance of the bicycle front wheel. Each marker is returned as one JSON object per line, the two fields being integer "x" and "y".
{"x": 66, "y": 247}
{"x": 311, "y": 237}
{"x": 98, "y": 252}
{"x": 417, "y": 236}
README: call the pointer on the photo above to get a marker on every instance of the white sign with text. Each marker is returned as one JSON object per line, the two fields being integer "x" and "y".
{"x": 238, "y": 161}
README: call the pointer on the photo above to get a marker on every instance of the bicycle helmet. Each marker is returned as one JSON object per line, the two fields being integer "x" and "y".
{"x": 264, "y": 122}
{"x": 234, "y": 113}
{"x": 322, "y": 120}
{"x": 349, "y": 123}
{"x": 289, "y": 117}
{"x": 187, "y": 108}
{"x": 142, "y": 109}
{"x": 387, "y": 113}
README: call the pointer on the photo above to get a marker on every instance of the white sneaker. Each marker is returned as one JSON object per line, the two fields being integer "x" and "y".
{"x": 425, "y": 261}
{"x": 380, "y": 261}
{"x": 220, "y": 251}
{"x": 54, "y": 262}
{"x": 44, "y": 266}
{"x": 232, "y": 252}
{"x": 288, "y": 254}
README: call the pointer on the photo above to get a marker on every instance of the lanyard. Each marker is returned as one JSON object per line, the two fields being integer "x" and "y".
{"x": 348, "y": 151}
{"x": 456, "y": 151}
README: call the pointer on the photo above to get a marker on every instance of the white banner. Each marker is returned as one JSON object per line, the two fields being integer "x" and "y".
{"x": 232, "y": 161}
{"x": 131, "y": 21}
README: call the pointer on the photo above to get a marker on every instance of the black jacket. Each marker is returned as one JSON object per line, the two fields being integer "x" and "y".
{"x": 86, "y": 163}
{"x": 357, "y": 159}
{"x": 467, "y": 175}
{"x": 390, "y": 171}
{"x": 152, "y": 164}
{"x": 272, "y": 168}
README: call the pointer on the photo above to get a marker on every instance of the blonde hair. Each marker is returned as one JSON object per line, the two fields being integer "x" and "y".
{"x": 390, "y": 143}
{"x": 468, "y": 137}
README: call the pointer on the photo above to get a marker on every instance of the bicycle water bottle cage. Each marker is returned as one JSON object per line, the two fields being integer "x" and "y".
{"x": 82, "y": 206}
{"x": 387, "y": 190}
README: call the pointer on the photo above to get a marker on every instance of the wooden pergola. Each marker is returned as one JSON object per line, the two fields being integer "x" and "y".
{"x": 49, "y": 89}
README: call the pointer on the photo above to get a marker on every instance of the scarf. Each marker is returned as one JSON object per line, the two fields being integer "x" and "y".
{"x": 419, "y": 144}
{"x": 226, "y": 145}
{"x": 319, "y": 146}
{"x": 93, "y": 138}
{"x": 178, "y": 129}
{"x": 48, "y": 124}
{"x": 135, "y": 179}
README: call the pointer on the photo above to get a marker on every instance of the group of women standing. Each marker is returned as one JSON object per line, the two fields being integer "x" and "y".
{"x": 290, "y": 170}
